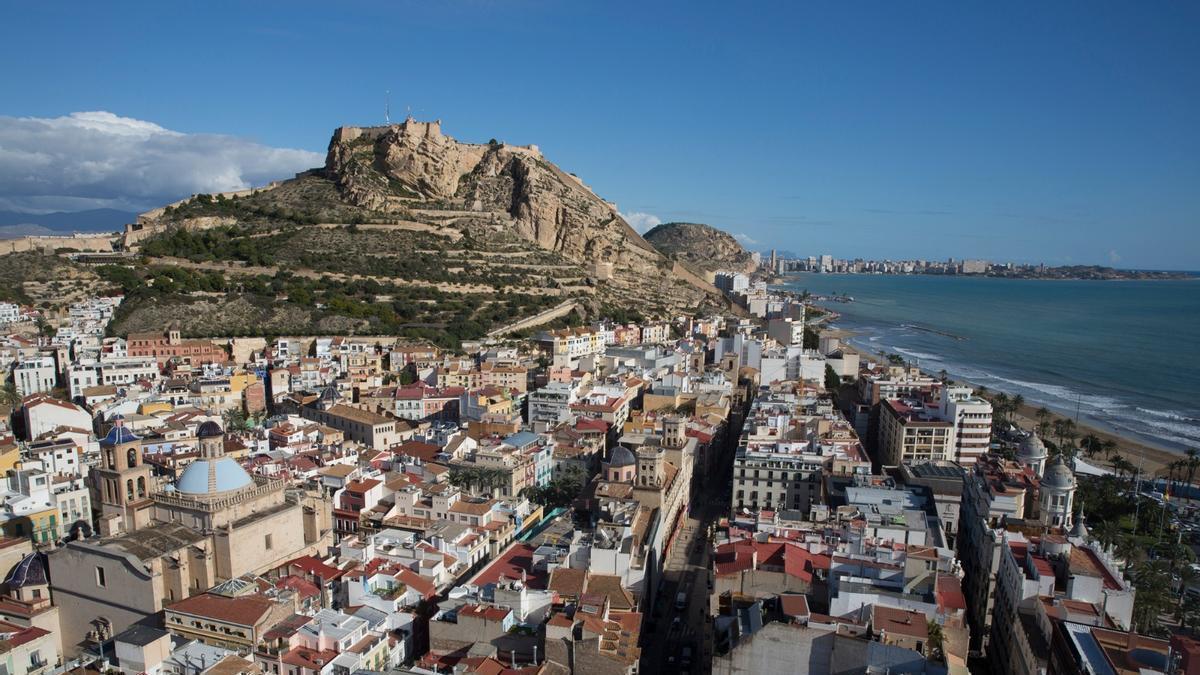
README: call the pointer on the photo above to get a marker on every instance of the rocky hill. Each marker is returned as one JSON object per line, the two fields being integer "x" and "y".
{"x": 404, "y": 230}
{"x": 703, "y": 247}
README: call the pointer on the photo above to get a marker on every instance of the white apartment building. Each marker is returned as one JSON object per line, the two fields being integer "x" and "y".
{"x": 44, "y": 414}
{"x": 551, "y": 404}
{"x": 9, "y": 313}
{"x": 787, "y": 332}
{"x": 791, "y": 363}
{"x": 909, "y": 433}
{"x": 82, "y": 376}
{"x": 35, "y": 376}
{"x": 732, "y": 282}
{"x": 568, "y": 345}
{"x": 656, "y": 333}
{"x": 121, "y": 372}
{"x": 970, "y": 418}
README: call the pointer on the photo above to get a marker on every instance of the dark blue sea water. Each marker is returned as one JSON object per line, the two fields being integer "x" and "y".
{"x": 1126, "y": 353}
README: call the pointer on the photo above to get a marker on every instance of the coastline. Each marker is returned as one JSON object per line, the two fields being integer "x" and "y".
{"x": 1151, "y": 458}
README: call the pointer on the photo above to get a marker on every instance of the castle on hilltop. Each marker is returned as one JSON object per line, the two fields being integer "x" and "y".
{"x": 412, "y": 128}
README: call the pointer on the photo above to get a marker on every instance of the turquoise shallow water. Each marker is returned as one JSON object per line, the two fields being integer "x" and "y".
{"x": 1127, "y": 353}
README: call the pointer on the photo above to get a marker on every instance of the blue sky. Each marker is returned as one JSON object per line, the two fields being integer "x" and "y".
{"x": 1056, "y": 132}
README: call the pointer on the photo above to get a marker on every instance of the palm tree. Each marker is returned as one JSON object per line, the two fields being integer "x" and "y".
{"x": 9, "y": 396}
{"x": 1108, "y": 445}
{"x": 1119, "y": 464}
{"x": 1193, "y": 460}
{"x": 1017, "y": 402}
{"x": 1043, "y": 414}
{"x": 1154, "y": 595}
{"x": 1070, "y": 432}
{"x": 1106, "y": 532}
{"x": 1091, "y": 445}
{"x": 1127, "y": 549}
{"x": 1000, "y": 403}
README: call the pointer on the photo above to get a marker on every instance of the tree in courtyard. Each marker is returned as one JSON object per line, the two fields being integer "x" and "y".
{"x": 9, "y": 397}
{"x": 235, "y": 420}
{"x": 937, "y": 637}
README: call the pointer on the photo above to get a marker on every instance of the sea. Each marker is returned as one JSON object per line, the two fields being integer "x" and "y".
{"x": 1124, "y": 355}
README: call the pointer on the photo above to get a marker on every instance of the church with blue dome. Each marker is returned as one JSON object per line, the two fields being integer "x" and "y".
{"x": 161, "y": 542}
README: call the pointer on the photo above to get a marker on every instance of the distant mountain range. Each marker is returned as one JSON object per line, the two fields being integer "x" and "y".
{"x": 17, "y": 224}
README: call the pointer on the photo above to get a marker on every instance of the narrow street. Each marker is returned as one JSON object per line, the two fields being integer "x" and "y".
{"x": 686, "y": 570}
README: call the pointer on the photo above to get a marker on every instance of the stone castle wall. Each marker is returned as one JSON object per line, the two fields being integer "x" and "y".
{"x": 102, "y": 243}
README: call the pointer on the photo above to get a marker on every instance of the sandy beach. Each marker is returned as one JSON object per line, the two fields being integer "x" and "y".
{"x": 1152, "y": 459}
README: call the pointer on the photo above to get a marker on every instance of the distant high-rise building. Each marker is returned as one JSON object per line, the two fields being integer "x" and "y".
{"x": 974, "y": 267}
{"x": 826, "y": 263}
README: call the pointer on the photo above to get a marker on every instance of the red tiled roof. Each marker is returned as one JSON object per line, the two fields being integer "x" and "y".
{"x": 21, "y": 635}
{"x": 516, "y": 559}
{"x": 361, "y": 485}
{"x": 313, "y": 566}
{"x": 949, "y": 593}
{"x": 310, "y": 659}
{"x": 421, "y": 584}
{"x": 794, "y": 604}
{"x": 423, "y": 451}
{"x": 905, "y": 622}
{"x": 302, "y": 586}
{"x": 244, "y": 611}
{"x": 488, "y": 613}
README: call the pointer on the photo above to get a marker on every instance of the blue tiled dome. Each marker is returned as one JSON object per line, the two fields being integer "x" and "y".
{"x": 31, "y": 571}
{"x": 225, "y": 474}
{"x": 209, "y": 429}
{"x": 119, "y": 434}
{"x": 622, "y": 456}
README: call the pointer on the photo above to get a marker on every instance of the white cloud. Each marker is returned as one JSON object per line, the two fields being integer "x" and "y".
{"x": 745, "y": 239}
{"x": 642, "y": 222}
{"x": 98, "y": 159}
{"x": 1114, "y": 257}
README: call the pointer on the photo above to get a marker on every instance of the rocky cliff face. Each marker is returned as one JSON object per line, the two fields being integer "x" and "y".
{"x": 702, "y": 247}
{"x": 413, "y": 167}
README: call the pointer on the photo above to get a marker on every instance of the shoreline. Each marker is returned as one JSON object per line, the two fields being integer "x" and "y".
{"x": 1183, "y": 276}
{"x": 1147, "y": 455}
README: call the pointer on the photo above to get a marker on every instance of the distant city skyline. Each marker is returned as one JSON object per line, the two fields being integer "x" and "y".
{"x": 1061, "y": 134}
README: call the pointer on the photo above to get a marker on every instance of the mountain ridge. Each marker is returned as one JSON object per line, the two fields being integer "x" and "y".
{"x": 404, "y": 230}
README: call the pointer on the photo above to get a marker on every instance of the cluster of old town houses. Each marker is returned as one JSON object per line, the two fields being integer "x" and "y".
{"x": 337, "y": 505}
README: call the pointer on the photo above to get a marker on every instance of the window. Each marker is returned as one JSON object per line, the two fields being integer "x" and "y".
{"x": 267, "y": 542}
{"x": 100, "y": 577}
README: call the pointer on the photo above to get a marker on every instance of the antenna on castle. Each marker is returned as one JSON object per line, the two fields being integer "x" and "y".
{"x": 387, "y": 106}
